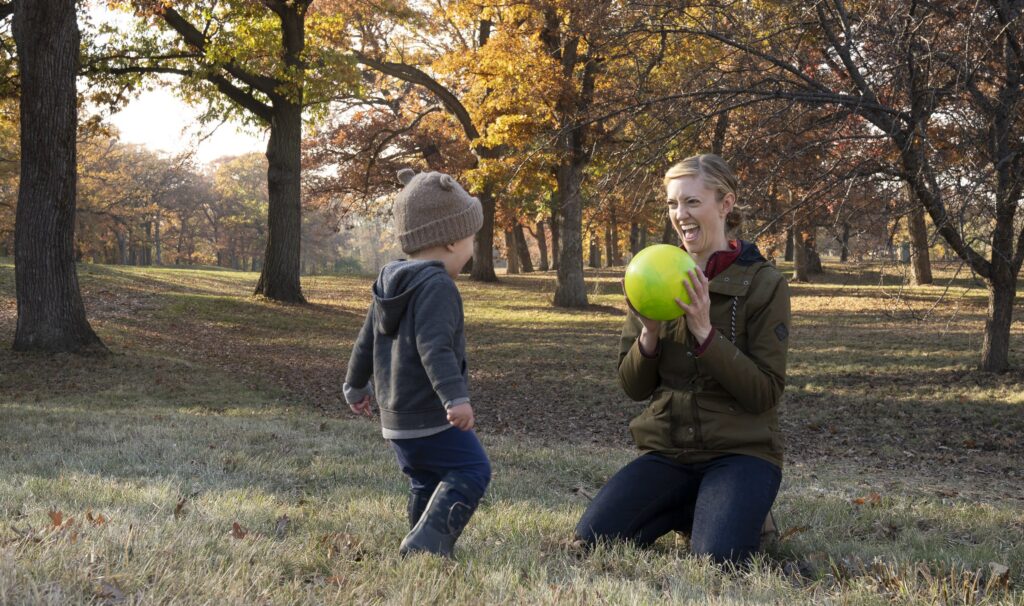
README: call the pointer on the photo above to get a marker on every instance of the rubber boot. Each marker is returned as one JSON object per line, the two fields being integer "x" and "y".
{"x": 417, "y": 503}
{"x": 446, "y": 515}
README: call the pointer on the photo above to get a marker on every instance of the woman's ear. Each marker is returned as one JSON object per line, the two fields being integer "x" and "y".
{"x": 450, "y": 247}
{"x": 728, "y": 203}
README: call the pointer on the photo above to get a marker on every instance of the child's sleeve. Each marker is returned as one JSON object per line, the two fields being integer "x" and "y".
{"x": 360, "y": 364}
{"x": 438, "y": 314}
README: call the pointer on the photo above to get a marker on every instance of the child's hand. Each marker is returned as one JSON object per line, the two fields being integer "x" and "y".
{"x": 461, "y": 416}
{"x": 362, "y": 407}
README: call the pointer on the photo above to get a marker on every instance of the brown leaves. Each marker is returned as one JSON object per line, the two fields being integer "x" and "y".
{"x": 872, "y": 500}
{"x": 238, "y": 531}
{"x": 791, "y": 532}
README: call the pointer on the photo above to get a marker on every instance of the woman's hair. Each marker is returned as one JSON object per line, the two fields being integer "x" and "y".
{"x": 717, "y": 176}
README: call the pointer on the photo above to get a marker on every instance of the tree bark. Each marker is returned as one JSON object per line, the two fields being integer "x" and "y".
{"x": 571, "y": 290}
{"x": 280, "y": 278}
{"x": 556, "y": 239}
{"x": 668, "y": 234}
{"x": 801, "y": 262}
{"x": 844, "y": 242}
{"x": 634, "y": 238}
{"x": 156, "y": 240}
{"x": 920, "y": 258}
{"x": 542, "y": 245}
{"x": 511, "y": 258}
{"x": 790, "y": 245}
{"x": 483, "y": 244}
{"x": 595, "y": 250}
{"x": 522, "y": 249}
{"x": 51, "y": 313}
{"x": 995, "y": 347}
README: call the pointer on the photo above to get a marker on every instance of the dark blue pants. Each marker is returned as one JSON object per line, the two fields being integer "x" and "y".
{"x": 426, "y": 461}
{"x": 721, "y": 504}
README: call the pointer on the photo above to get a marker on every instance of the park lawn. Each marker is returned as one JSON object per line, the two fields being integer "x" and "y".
{"x": 122, "y": 479}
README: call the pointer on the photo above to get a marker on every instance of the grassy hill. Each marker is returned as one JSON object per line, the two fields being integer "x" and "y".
{"x": 209, "y": 459}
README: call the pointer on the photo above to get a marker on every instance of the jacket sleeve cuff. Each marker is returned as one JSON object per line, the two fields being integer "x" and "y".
{"x": 456, "y": 402}
{"x": 650, "y": 356}
{"x": 355, "y": 394}
{"x": 707, "y": 343}
{"x": 452, "y": 390}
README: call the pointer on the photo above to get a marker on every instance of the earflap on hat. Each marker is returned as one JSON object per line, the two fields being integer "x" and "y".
{"x": 405, "y": 175}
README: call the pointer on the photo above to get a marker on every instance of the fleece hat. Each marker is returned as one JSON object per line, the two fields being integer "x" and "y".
{"x": 433, "y": 209}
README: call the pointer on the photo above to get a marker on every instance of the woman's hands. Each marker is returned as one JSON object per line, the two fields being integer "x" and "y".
{"x": 698, "y": 312}
{"x": 650, "y": 331}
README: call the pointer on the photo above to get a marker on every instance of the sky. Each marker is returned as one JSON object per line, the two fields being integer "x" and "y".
{"x": 164, "y": 123}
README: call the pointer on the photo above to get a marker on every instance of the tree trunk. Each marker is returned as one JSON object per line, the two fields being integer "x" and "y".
{"x": 609, "y": 254}
{"x": 634, "y": 238}
{"x": 522, "y": 249}
{"x": 643, "y": 238}
{"x": 51, "y": 313}
{"x": 844, "y": 242}
{"x": 813, "y": 258}
{"x": 156, "y": 240}
{"x": 801, "y": 263}
{"x": 790, "y": 244}
{"x": 542, "y": 245}
{"x": 483, "y": 244}
{"x": 614, "y": 253}
{"x": 510, "y": 254}
{"x": 995, "y": 349}
{"x": 280, "y": 279}
{"x": 595, "y": 250}
{"x": 668, "y": 234}
{"x": 920, "y": 258}
{"x": 556, "y": 240}
{"x": 147, "y": 245}
{"x": 571, "y": 290}
{"x": 122, "y": 247}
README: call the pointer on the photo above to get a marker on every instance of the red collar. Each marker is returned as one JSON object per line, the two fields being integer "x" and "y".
{"x": 722, "y": 259}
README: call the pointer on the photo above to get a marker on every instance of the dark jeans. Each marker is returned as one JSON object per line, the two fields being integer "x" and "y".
{"x": 721, "y": 504}
{"x": 428, "y": 460}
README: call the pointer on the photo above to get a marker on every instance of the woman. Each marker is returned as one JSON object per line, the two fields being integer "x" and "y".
{"x": 712, "y": 459}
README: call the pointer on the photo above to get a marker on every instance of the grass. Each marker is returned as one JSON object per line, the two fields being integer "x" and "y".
{"x": 904, "y": 476}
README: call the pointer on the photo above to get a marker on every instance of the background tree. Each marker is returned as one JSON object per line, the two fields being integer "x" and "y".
{"x": 932, "y": 79}
{"x": 261, "y": 62}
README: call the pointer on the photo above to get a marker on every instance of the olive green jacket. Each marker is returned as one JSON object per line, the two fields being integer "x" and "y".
{"x": 725, "y": 400}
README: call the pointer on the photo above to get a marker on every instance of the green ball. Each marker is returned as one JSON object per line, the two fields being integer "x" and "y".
{"x": 654, "y": 279}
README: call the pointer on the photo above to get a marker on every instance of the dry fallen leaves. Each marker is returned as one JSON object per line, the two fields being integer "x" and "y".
{"x": 872, "y": 500}
{"x": 238, "y": 531}
{"x": 792, "y": 532}
{"x": 97, "y": 520}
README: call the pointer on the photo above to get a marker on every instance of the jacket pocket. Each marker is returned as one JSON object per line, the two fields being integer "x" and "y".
{"x": 652, "y": 427}
{"x": 725, "y": 426}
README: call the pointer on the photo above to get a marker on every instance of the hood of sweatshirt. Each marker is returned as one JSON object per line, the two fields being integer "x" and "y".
{"x": 395, "y": 287}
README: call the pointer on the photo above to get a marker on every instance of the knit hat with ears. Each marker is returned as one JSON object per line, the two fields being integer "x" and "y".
{"x": 433, "y": 209}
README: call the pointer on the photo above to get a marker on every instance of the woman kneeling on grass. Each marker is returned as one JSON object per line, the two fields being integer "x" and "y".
{"x": 712, "y": 459}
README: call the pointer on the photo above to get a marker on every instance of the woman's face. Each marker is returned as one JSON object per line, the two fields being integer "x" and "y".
{"x": 698, "y": 217}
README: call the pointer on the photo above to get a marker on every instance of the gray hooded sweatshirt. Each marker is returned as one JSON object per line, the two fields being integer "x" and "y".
{"x": 413, "y": 345}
